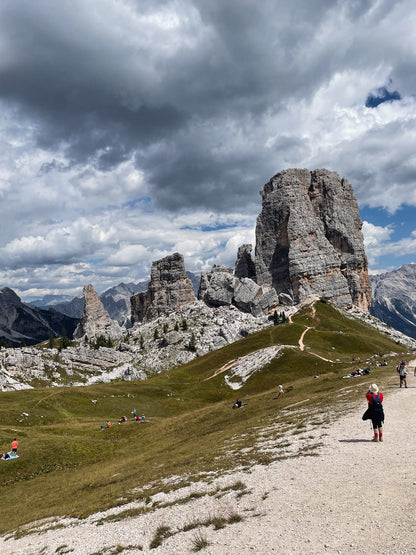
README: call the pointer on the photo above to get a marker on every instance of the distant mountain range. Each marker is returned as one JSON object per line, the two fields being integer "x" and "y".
{"x": 116, "y": 300}
{"x": 24, "y": 324}
{"x": 393, "y": 302}
{"x": 394, "y": 299}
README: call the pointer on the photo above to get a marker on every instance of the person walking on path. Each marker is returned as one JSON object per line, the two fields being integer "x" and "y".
{"x": 15, "y": 444}
{"x": 375, "y": 407}
{"x": 402, "y": 371}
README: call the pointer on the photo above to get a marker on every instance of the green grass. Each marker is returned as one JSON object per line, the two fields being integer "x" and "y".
{"x": 70, "y": 467}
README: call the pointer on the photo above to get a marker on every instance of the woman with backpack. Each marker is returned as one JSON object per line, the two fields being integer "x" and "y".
{"x": 376, "y": 412}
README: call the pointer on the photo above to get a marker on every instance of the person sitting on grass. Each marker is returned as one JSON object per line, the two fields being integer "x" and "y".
{"x": 237, "y": 404}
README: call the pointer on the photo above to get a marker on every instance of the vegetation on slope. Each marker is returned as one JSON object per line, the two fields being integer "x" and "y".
{"x": 71, "y": 467}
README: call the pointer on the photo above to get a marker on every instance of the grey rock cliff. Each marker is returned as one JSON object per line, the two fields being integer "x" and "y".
{"x": 169, "y": 289}
{"x": 244, "y": 265}
{"x": 95, "y": 320}
{"x": 394, "y": 298}
{"x": 309, "y": 240}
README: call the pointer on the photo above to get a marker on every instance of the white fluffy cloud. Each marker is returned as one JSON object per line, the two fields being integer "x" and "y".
{"x": 133, "y": 130}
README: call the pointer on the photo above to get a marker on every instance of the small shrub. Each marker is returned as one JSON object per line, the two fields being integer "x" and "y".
{"x": 218, "y": 522}
{"x": 233, "y": 518}
{"x": 200, "y": 541}
{"x": 162, "y": 532}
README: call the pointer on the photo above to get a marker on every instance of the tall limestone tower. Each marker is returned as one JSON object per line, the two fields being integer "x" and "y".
{"x": 309, "y": 239}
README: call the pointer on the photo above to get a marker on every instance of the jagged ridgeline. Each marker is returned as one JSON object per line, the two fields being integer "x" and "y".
{"x": 308, "y": 243}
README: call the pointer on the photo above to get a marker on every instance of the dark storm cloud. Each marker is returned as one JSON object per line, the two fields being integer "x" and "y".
{"x": 129, "y": 128}
{"x": 101, "y": 94}
{"x": 66, "y": 75}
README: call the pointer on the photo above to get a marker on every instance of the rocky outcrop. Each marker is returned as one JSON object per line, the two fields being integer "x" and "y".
{"x": 169, "y": 289}
{"x": 217, "y": 286}
{"x": 221, "y": 288}
{"x": 22, "y": 323}
{"x": 140, "y": 353}
{"x": 95, "y": 321}
{"x": 309, "y": 240}
{"x": 394, "y": 299}
{"x": 244, "y": 265}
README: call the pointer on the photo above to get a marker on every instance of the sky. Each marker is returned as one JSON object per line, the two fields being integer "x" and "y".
{"x": 130, "y": 130}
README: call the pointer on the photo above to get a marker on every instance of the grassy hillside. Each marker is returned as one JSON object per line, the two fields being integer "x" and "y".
{"x": 70, "y": 467}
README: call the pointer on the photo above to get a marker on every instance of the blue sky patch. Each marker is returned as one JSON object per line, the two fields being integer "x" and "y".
{"x": 402, "y": 222}
{"x": 381, "y": 95}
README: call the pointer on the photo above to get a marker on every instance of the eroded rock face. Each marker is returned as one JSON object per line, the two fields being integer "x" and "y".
{"x": 217, "y": 286}
{"x": 220, "y": 287}
{"x": 95, "y": 320}
{"x": 244, "y": 265}
{"x": 309, "y": 240}
{"x": 169, "y": 289}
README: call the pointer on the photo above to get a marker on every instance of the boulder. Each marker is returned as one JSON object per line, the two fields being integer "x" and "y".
{"x": 245, "y": 293}
{"x": 217, "y": 286}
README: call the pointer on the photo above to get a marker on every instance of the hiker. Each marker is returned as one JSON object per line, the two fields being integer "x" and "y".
{"x": 122, "y": 419}
{"x": 402, "y": 371}
{"x": 281, "y": 391}
{"x": 376, "y": 412}
{"x": 134, "y": 413}
{"x": 107, "y": 425}
{"x": 237, "y": 404}
{"x": 15, "y": 444}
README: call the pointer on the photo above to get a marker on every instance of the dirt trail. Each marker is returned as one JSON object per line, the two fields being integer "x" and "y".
{"x": 313, "y": 314}
{"x": 225, "y": 367}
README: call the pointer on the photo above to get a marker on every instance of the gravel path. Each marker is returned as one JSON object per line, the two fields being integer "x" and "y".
{"x": 356, "y": 497}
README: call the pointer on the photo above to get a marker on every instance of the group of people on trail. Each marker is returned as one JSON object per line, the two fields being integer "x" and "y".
{"x": 375, "y": 411}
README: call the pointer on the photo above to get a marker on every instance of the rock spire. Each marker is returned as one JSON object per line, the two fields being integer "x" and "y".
{"x": 309, "y": 240}
{"x": 95, "y": 320}
{"x": 169, "y": 288}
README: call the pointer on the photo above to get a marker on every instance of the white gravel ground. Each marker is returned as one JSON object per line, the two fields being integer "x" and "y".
{"x": 356, "y": 497}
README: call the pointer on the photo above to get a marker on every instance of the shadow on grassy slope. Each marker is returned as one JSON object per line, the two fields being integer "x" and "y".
{"x": 70, "y": 467}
